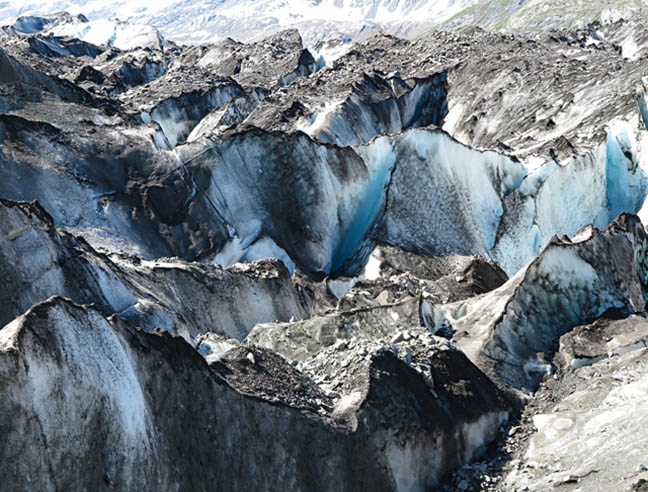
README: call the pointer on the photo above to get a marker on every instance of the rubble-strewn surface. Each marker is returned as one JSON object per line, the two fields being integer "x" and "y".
{"x": 513, "y": 328}
{"x": 580, "y": 421}
{"x": 594, "y": 413}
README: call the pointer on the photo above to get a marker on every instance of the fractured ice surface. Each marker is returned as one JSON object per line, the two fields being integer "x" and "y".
{"x": 417, "y": 188}
{"x": 376, "y": 107}
{"x": 179, "y": 117}
{"x": 570, "y": 283}
{"x": 445, "y": 197}
{"x": 420, "y": 189}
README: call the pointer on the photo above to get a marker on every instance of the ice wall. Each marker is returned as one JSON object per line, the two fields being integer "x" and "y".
{"x": 325, "y": 207}
{"x": 571, "y": 283}
{"x": 560, "y": 198}
{"x": 358, "y": 118}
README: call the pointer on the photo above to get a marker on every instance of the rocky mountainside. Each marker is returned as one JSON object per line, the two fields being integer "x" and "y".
{"x": 537, "y": 15}
{"x": 388, "y": 265}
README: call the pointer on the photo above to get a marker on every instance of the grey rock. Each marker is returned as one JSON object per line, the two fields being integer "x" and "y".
{"x": 402, "y": 274}
{"x": 305, "y": 338}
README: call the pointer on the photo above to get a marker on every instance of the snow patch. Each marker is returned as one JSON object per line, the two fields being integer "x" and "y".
{"x": 238, "y": 251}
{"x": 348, "y": 402}
{"x": 372, "y": 269}
{"x": 318, "y": 120}
{"x": 266, "y": 248}
{"x": 327, "y": 53}
{"x": 453, "y": 118}
{"x": 629, "y": 49}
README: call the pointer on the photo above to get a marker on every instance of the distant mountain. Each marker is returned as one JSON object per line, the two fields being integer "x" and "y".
{"x": 197, "y": 21}
{"x": 200, "y": 21}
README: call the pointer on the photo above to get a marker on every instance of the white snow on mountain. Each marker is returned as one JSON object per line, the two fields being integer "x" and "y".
{"x": 111, "y": 32}
{"x": 199, "y": 21}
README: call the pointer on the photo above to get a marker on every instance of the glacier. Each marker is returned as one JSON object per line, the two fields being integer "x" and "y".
{"x": 391, "y": 256}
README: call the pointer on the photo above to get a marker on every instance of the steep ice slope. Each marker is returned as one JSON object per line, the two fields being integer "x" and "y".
{"x": 302, "y": 195}
{"x": 484, "y": 203}
{"x": 184, "y": 154}
{"x": 243, "y": 201}
{"x": 461, "y": 193}
{"x": 581, "y": 419}
{"x": 184, "y": 299}
{"x": 253, "y": 179}
{"x": 476, "y": 202}
{"x": 153, "y": 399}
{"x": 593, "y": 189}
{"x": 570, "y": 283}
{"x": 67, "y": 365}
